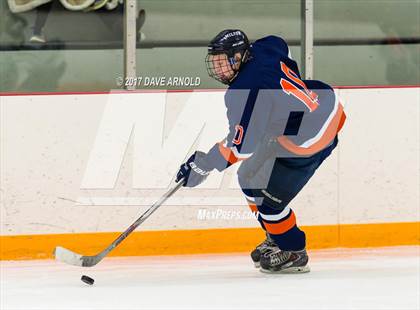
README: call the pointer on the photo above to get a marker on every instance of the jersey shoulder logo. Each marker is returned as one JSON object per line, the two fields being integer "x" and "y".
{"x": 239, "y": 134}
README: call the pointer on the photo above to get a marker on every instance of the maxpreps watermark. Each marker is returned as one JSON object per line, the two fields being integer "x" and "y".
{"x": 158, "y": 81}
{"x": 220, "y": 214}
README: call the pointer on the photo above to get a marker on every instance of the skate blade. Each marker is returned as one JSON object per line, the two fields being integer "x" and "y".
{"x": 291, "y": 270}
{"x": 257, "y": 264}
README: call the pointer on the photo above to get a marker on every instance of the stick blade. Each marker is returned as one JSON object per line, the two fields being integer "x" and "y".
{"x": 66, "y": 256}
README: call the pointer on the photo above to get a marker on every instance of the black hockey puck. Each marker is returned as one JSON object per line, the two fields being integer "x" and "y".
{"x": 87, "y": 280}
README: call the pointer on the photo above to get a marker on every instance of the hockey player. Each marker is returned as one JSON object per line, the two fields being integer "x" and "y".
{"x": 281, "y": 127}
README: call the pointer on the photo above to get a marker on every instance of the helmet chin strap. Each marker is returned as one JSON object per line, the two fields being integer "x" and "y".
{"x": 234, "y": 75}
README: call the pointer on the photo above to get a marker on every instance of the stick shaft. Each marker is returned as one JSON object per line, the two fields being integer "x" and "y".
{"x": 72, "y": 258}
{"x": 142, "y": 218}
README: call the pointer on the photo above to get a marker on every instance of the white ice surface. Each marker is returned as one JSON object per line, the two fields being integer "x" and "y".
{"x": 385, "y": 278}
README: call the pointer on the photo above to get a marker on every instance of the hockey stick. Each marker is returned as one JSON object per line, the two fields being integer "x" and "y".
{"x": 69, "y": 257}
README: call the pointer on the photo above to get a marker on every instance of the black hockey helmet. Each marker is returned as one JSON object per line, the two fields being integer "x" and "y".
{"x": 228, "y": 42}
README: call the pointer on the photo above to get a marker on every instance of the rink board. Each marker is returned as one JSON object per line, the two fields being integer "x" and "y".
{"x": 85, "y": 165}
{"x": 174, "y": 242}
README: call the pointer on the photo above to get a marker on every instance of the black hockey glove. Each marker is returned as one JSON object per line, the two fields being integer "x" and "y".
{"x": 194, "y": 171}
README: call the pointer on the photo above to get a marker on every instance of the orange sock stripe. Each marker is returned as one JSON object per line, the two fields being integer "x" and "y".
{"x": 282, "y": 227}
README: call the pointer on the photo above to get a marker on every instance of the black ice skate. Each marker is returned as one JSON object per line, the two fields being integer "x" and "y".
{"x": 266, "y": 246}
{"x": 280, "y": 261}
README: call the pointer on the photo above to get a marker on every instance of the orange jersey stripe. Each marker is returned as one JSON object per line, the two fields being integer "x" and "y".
{"x": 227, "y": 154}
{"x": 333, "y": 128}
{"x": 282, "y": 227}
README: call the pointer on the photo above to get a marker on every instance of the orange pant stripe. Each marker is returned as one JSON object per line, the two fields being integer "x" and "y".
{"x": 253, "y": 207}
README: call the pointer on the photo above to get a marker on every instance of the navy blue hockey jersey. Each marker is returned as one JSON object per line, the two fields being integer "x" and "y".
{"x": 268, "y": 97}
